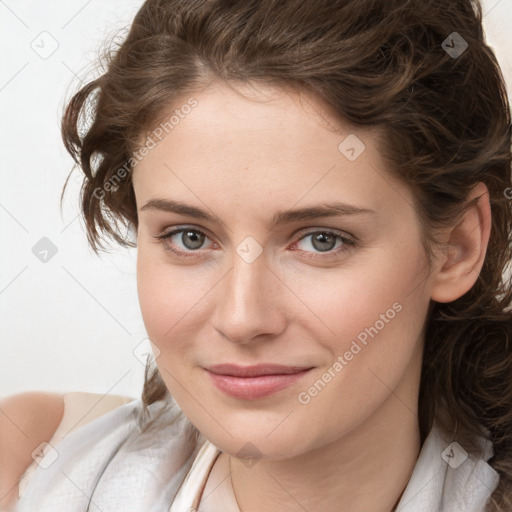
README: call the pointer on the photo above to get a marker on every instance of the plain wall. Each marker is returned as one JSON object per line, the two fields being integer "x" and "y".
{"x": 72, "y": 322}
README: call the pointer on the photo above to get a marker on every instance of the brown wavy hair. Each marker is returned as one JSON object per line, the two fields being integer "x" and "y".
{"x": 446, "y": 124}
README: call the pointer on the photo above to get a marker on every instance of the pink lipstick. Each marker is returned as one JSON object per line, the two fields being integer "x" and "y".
{"x": 253, "y": 382}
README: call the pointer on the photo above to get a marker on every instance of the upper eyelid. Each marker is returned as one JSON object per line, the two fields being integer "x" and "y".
{"x": 300, "y": 234}
{"x": 310, "y": 229}
{"x": 175, "y": 230}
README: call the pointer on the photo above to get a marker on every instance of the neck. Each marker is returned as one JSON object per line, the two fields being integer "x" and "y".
{"x": 366, "y": 470}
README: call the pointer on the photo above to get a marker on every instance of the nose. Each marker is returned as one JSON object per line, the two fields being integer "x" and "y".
{"x": 248, "y": 304}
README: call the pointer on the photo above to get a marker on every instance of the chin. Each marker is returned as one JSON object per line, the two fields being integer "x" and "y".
{"x": 254, "y": 434}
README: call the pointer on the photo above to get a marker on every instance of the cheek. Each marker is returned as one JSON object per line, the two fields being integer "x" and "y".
{"x": 372, "y": 317}
{"x": 377, "y": 314}
{"x": 162, "y": 296}
{"x": 156, "y": 303}
{"x": 173, "y": 300}
{"x": 344, "y": 302}
{"x": 165, "y": 301}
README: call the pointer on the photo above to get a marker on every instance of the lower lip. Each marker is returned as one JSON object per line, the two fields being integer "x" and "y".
{"x": 252, "y": 388}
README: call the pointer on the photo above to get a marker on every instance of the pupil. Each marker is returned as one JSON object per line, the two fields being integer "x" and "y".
{"x": 323, "y": 241}
{"x": 197, "y": 239}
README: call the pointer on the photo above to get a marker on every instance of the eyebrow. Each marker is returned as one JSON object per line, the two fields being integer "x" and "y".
{"x": 280, "y": 217}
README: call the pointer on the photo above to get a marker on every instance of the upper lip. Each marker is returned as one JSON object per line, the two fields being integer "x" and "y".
{"x": 255, "y": 370}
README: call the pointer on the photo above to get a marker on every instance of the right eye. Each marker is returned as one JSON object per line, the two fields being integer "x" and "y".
{"x": 191, "y": 240}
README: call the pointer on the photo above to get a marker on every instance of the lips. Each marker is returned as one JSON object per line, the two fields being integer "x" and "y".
{"x": 254, "y": 382}
{"x": 255, "y": 370}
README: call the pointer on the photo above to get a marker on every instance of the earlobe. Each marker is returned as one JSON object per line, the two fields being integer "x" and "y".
{"x": 467, "y": 241}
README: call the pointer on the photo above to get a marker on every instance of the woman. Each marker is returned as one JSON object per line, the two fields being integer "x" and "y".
{"x": 318, "y": 192}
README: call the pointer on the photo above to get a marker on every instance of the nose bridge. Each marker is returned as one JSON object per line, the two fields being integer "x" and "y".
{"x": 248, "y": 279}
{"x": 248, "y": 303}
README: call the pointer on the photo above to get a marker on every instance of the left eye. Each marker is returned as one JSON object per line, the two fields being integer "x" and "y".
{"x": 324, "y": 241}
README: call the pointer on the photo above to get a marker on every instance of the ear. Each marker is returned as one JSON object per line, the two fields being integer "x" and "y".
{"x": 460, "y": 264}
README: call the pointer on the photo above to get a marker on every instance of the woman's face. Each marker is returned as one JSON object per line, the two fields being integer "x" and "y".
{"x": 306, "y": 253}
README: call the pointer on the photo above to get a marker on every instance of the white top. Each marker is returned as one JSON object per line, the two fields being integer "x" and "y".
{"x": 109, "y": 465}
{"x": 80, "y": 408}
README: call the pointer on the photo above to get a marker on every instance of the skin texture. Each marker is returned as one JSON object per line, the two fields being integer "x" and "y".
{"x": 243, "y": 158}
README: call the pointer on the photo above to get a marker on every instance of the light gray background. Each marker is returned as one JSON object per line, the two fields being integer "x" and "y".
{"x": 73, "y": 323}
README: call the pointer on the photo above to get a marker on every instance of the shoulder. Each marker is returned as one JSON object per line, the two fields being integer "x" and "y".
{"x": 26, "y": 420}
{"x": 31, "y": 419}
{"x": 118, "y": 456}
{"x": 31, "y": 409}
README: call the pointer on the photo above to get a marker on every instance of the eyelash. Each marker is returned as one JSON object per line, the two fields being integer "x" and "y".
{"x": 347, "y": 243}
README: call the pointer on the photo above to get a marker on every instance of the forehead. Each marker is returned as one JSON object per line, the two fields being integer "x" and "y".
{"x": 264, "y": 143}
{"x": 253, "y": 113}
